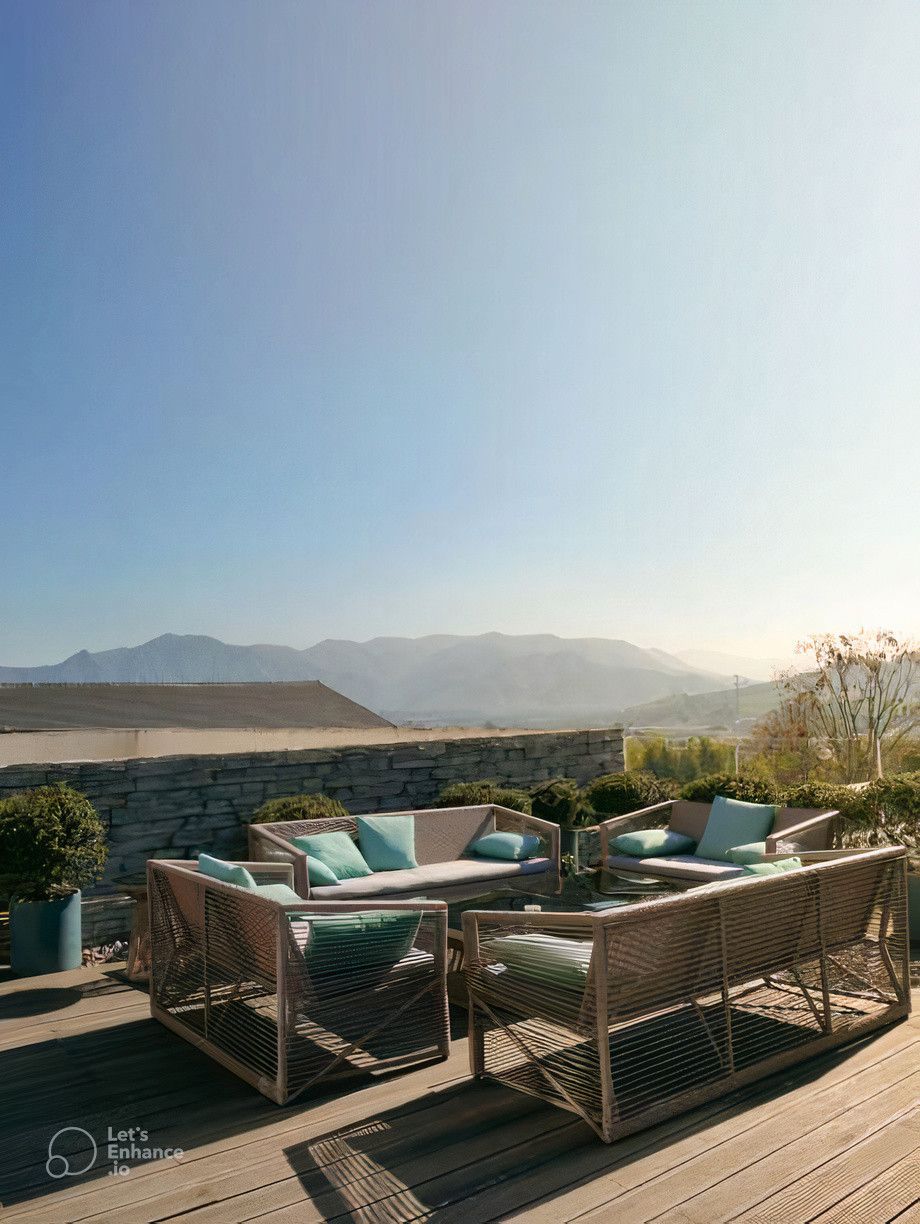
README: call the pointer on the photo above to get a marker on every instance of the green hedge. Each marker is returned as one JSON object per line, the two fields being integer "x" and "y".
{"x": 472, "y": 794}
{"x": 616, "y": 794}
{"x": 299, "y": 807}
{"x": 733, "y": 786}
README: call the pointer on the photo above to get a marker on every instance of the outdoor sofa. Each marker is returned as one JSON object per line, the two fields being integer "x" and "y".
{"x": 285, "y": 993}
{"x": 793, "y": 830}
{"x": 447, "y": 869}
{"x": 631, "y": 1015}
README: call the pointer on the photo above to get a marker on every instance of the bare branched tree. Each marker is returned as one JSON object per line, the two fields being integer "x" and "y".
{"x": 864, "y": 686}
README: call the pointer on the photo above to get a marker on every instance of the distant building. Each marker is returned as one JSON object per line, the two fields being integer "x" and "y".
{"x": 58, "y": 722}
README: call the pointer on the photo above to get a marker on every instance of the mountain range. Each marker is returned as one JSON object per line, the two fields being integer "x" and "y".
{"x": 528, "y": 680}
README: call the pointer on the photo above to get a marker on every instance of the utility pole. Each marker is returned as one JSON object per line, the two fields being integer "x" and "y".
{"x": 737, "y": 697}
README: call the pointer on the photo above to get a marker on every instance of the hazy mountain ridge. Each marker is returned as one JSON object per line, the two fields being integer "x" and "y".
{"x": 527, "y": 679}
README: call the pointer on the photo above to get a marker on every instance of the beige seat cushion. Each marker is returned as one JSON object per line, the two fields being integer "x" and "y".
{"x": 677, "y": 866}
{"x": 417, "y": 880}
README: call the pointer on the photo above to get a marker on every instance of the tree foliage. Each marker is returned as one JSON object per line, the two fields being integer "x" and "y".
{"x": 864, "y": 687}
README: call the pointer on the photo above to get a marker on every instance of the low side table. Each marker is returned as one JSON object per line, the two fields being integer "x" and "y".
{"x": 138, "y": 967}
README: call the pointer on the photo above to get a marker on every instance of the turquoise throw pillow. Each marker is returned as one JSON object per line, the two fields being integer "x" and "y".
{"x": 544, "y": 958}
{"x": 752, "y": 853}
{"x": 512, "y": 846}
{"x": 647, "y": 843}
{"x": 375, "y": 939}
{"x": 230, "y": 873}
{"x": 317, "y": 871}
{"x": 278, "y": 892}
{"x": 387, "y": 842}
{"x": 337, "y": 851}
{"x": 733, "y": 823}
{"x": 777, "y": 867}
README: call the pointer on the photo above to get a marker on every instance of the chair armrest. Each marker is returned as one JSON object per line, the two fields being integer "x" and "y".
{"x": 268, "y": 847}
{"x": 544, "y": 829}
{"x": 807, "y": 831}
{"x": 632, "y": 820}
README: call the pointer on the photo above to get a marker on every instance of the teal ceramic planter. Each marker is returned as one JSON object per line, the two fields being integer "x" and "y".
{"x": 45, "y": 936}
{"x": 913, "y": 907}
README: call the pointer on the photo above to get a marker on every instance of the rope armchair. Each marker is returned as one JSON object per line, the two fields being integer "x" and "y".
{"x": 635, "y": 1014}
{"x": 285, "y": 994}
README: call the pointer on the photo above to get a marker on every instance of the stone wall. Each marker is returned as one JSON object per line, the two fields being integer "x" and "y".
{"x": 172, "y": 807}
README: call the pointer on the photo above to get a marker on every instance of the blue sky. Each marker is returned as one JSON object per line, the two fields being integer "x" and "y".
{"x": 344, "y": 319}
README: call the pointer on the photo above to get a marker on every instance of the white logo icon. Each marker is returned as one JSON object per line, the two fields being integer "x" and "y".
{"x": 58, "y": 1165}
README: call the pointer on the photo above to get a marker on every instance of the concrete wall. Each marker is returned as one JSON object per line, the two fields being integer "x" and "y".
{"x": 172, "y": 807}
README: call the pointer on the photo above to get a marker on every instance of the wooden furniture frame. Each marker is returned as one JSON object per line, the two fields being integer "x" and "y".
{"x": 693, "y": 995}
{"x": 441, "y": 835}
{"x": 796, "y": 829}
{"x": 229, "y": 974}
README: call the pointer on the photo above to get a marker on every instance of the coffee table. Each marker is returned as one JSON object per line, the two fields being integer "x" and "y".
{"x": 579, "y": 893}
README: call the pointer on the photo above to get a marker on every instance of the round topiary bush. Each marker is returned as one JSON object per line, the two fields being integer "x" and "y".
{"x": 472, "y": 794}
{"x": 746, "y": 787}
{"x": 561, "y": 801}
{"x": 52, "y": 843}
{"x": 299, "y": 807}
{"x": 617, "y": 794}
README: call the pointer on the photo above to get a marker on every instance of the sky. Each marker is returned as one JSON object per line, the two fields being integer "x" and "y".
{"x": 356, "y": 318}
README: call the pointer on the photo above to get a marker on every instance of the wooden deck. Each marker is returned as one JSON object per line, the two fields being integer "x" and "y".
{"x": 837, "y": 1139}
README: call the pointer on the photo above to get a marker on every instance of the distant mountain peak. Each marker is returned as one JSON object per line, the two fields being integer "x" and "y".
{"x": 507, "y": 679}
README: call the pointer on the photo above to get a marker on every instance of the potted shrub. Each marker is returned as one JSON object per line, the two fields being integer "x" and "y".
{"x": 561, "y": 802}
{"x": 52, "y": 842}
{"x": 299, "y": 807}
{"x": 894, "y": 805}
{"x": 471, "y": 794}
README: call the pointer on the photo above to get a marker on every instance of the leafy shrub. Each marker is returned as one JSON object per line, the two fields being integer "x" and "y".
{"x": 701, "y": 755}
{"x": 747, "y": 787}
{"x": 851, "y": 804}
{"x": 888, "y": 814}
{"x": 471, "y": 794}
{"x": 52, "y": 842}
{"x": 299, "y": 807}
{"x": 616, "y": 794}
{"x": 561, "y": 801}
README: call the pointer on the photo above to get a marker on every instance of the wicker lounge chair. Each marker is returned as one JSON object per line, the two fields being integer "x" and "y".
{"x": 446, "y": 870}
{"x": 635, "y": 1014}
{"x": 286, "y": 994}
{"x": 794, "y": 830}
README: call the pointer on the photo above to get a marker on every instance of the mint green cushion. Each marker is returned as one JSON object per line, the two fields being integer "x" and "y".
{"x": 512, "y": 846}
{"x": 733, "y": 823}
{"x": 317, "y": 871}
{"x": 751, "y": 853}
{"x": 646, "y": 843}
{"x": 374, "y": 939}
{"x": 387, "y": 842}
{"x": 544, "y": 958}
{"x": 230, "y": 873}
{"x": 777, "y": 867}
{"x": 337, "y": 851}
{"x": 278, "y": 892}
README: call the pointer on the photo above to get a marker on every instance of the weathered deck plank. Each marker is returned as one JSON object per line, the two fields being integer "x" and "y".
{"x": 836, "y": 1139}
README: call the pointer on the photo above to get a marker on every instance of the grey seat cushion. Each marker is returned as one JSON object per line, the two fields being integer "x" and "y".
{"x": 677, "y": 866}
{"x": 416, "y": 880}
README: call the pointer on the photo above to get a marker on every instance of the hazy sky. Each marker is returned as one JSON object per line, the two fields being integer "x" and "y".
{"x": 343, "y": 319}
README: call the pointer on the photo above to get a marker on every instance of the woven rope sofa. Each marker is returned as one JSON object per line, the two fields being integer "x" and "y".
{"x": 442, "y": 837}
{"x": 794, "y": 830}
{"x": 286, "y": 994}
{"x": 635, "y": 1014}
